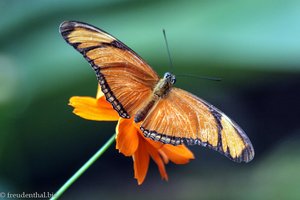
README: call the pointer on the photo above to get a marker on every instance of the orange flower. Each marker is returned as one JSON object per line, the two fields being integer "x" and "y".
{"x": 129, "y": 139}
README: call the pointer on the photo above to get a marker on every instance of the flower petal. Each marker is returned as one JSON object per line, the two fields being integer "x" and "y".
{"x": 141, "y": 163}
{"x": 163, "y": 156}
{"x": 158, "y": 160}
{"x": 89, "y": 108}
{"x": 99, "y": 92}
{"x": 127, "y": 137}
{"x": 178, "y": 154}
{"x": 103, "y": 104}
{"x": 155, "y": 144}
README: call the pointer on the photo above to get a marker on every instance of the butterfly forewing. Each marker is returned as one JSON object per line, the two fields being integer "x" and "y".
{"x": 125, "y": 79}
{"x": 184, "y": 117}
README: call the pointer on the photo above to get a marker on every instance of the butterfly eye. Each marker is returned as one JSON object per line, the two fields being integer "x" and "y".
{"x": 173, "y": 80}
{"x": 167, "y": 75}
{"x": 170, "y": 77}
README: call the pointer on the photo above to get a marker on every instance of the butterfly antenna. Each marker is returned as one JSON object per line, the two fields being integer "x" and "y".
{"x": 200, "y": 77}
{"x": 185, "y": 75}
{"x": 169, "y": 54}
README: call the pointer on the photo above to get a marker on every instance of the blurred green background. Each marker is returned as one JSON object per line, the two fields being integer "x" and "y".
{"x": 253, "y": 45}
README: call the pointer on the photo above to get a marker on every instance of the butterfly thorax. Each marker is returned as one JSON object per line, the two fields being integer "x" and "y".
{"x": 164, "y": 85}
{"x": 160, "y": 90}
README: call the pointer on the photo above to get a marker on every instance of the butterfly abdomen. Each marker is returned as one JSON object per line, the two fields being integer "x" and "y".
{"x": 142, "y": 113}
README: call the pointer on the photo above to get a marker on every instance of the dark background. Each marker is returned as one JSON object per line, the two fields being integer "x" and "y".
{"x": 253, "y": 45}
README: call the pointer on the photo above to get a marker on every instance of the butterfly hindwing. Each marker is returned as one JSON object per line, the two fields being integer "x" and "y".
{"x": 125, "y": 79}
{"x": 184, "y": 117}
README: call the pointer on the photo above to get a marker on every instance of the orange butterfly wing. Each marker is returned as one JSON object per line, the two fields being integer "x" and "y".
{"x": 181, "y": 116}
{"x": 125, "y": 79}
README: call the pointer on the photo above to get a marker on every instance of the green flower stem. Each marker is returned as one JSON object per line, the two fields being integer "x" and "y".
{"x": 83, "y": 168}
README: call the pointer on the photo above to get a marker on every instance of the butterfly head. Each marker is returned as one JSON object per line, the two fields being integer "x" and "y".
{"x": 170, "y": 78}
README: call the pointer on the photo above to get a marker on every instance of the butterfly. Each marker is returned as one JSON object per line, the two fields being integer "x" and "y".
{"x": 165, "y": 113}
